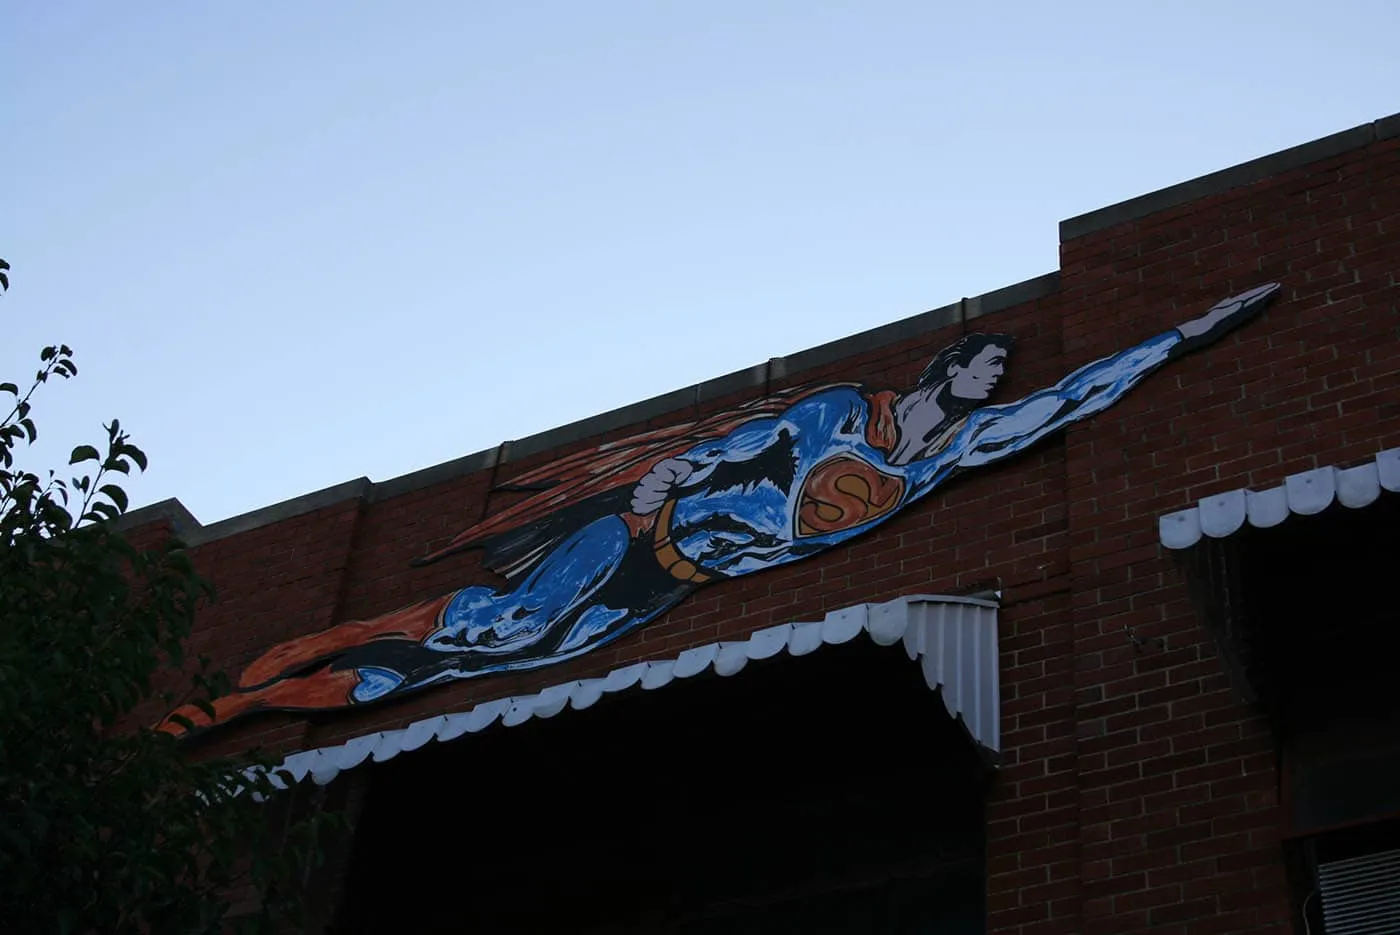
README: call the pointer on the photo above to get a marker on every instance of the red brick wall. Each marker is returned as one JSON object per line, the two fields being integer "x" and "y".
{"x": 1136, "y": 792}
{"x": 1177, "y": 792}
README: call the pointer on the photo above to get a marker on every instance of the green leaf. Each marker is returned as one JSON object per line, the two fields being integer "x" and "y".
{"x": 48, "y": 353}
{"x": 100, "y": 512}
{"x": 83, "y": 453}
{"x": 124, "y": 831}
{"x": 115, "y": 494}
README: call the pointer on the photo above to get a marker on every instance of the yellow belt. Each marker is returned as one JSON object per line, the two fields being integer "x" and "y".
{"x": 669, "y": 556}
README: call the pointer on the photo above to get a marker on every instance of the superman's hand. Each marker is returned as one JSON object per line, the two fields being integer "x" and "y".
{"x": 1228, "y": 314}
{"x": 653, "y": 489}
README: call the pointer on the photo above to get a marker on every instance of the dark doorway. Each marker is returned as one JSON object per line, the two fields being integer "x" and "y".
{"x": 1306, "y": 612}
{"x": 830, "y": 793}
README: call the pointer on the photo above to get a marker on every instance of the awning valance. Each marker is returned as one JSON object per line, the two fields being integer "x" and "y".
{"x": 1305, "y": 494}
{"x": 1299, "y": 602}
{"x": 954, "y": 640}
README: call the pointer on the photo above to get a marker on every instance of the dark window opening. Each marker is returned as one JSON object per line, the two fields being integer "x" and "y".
{"x": 830, "y": 793}
{"x": 1306, "y": 613}
{"x": 1315, "y": 614}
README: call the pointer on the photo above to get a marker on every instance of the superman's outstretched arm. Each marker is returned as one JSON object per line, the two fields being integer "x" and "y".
{"x": 996, "y": 432}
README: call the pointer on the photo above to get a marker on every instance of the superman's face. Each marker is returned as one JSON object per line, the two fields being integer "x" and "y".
{"x": 979, "y": 378}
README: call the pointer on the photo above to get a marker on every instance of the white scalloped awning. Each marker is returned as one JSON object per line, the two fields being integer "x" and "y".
{"x": 954, "y": 639}
{"x": 1306, "y": 493}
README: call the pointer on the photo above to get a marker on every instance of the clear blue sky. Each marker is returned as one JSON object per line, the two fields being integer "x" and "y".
{"x": 297, "y": 243}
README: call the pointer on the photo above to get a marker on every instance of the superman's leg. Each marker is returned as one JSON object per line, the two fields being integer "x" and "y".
{"x": 324, "y": 688}
{"x": 474, "y": 621}
{"x": 483, "y": 622}
{"x": 408, "y": 623}
{"x": 475, "y": 627}
{"x": 309, "y": 673}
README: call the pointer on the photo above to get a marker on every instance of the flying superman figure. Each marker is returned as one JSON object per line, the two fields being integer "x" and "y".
{"x": 618, "y": 535}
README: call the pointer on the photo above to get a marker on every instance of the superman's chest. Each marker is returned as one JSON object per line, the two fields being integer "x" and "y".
{"x": 844, "y": 491}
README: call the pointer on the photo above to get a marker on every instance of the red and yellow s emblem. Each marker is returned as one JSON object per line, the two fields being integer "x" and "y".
{"x": 843, "y": 492}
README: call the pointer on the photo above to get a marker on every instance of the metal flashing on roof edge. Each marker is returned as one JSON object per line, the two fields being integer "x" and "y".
{"x": 954, "y": 639}
{"x": 1305, "y": 494}
{"x": 1236, "y": 176}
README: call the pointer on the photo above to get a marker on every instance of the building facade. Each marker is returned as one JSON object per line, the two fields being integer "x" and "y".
{"x": 1079, "y": 630}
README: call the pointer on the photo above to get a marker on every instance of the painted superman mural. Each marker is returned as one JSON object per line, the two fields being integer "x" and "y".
{"x": 616, "y": 536}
